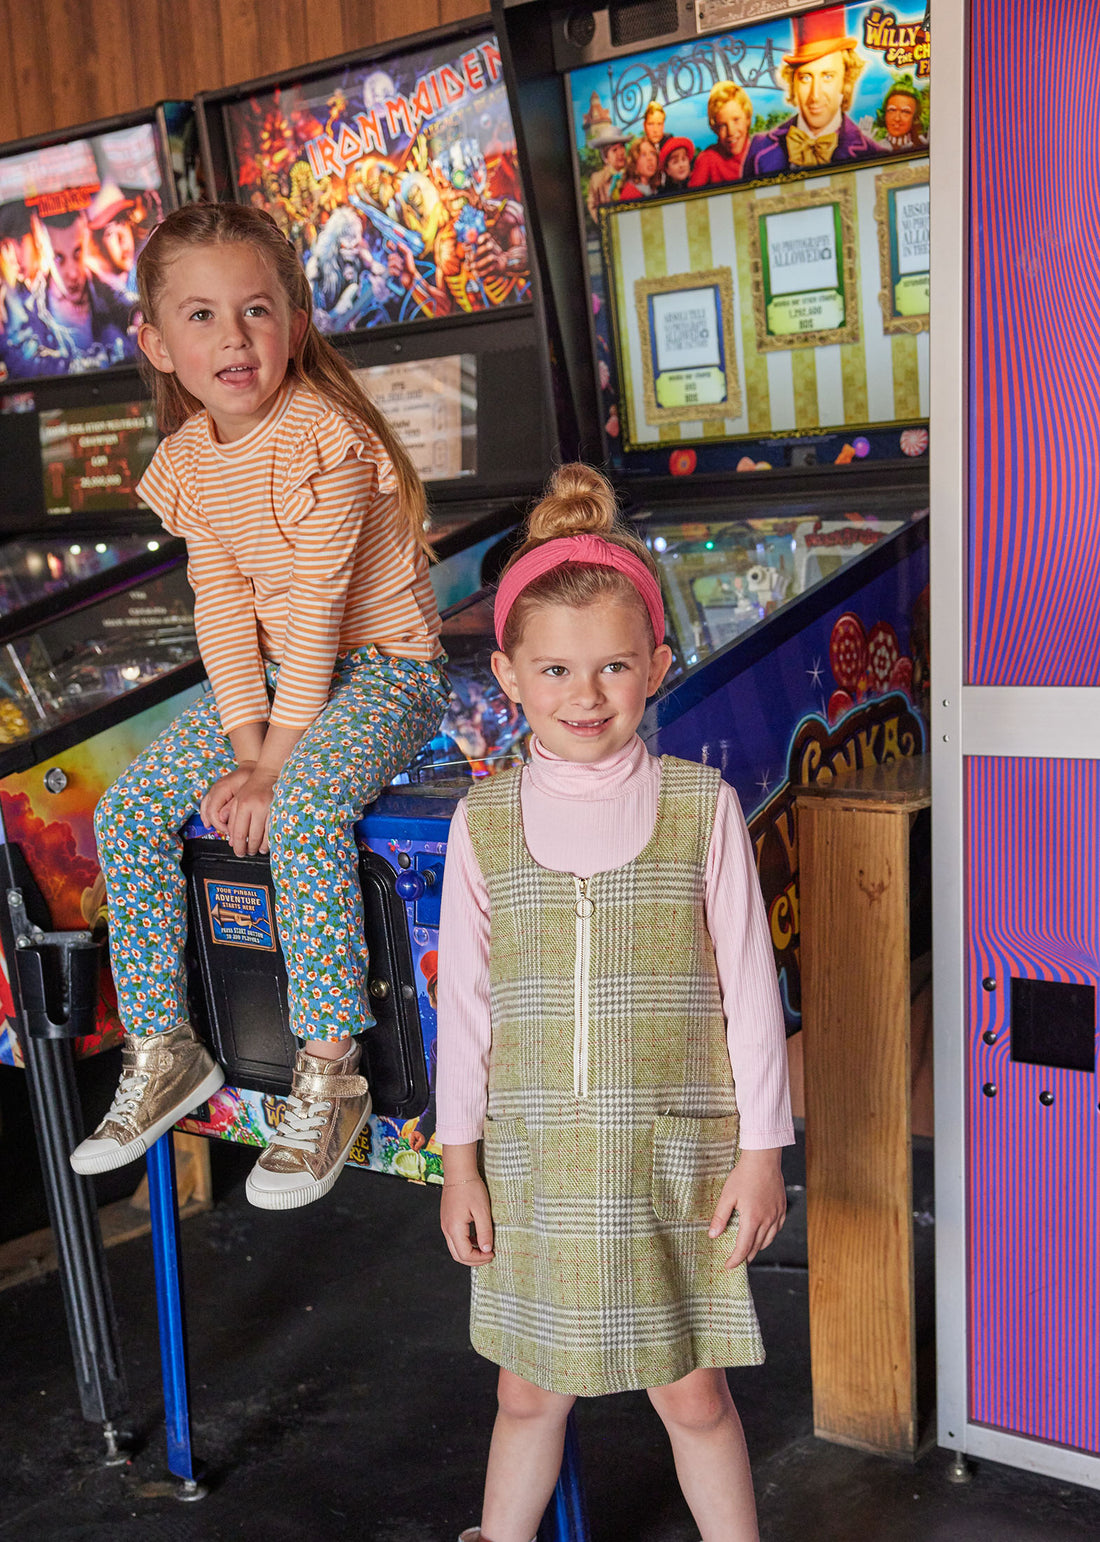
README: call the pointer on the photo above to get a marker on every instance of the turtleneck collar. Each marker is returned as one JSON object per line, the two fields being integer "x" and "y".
{"x": 612, "y": 777}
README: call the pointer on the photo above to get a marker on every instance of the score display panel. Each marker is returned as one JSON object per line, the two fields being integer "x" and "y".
{"x": 94, "y": 457}
{"x": 754, "y": 207}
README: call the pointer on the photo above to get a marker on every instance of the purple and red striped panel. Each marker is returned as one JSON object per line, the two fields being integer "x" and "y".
{"x": 1033, "y": 1179}
{"x": 1034, "y": 520}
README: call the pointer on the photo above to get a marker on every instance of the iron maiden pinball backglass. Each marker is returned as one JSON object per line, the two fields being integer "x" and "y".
{"x": 396, "y": 181}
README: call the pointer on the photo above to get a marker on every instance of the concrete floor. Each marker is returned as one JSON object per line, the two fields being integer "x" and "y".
{"x": 335, "y": 1398}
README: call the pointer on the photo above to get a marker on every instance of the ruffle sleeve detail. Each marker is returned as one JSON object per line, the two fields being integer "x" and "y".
{"x": 324, "y": 444}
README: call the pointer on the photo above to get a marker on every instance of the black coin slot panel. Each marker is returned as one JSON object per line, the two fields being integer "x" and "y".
{"x": 241, "y": 1009}
{"x": 239, "y": 994}
{"x": 1054, "y": 1024}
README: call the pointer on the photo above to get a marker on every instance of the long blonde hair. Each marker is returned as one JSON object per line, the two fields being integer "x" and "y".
{"x": 578, "y": 500}
{"x": 314, "y": 361}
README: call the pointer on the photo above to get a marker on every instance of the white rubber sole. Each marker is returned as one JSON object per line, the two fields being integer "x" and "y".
{"x": 306, "y": 1193}
{"x": 88, "y": 1163}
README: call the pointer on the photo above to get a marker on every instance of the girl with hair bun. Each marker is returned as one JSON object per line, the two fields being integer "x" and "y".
{"x": 612, "y": 1089}
{"x": 316, "y": 621}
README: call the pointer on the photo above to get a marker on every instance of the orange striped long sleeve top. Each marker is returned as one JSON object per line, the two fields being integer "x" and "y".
{"x": 297, "y": 551}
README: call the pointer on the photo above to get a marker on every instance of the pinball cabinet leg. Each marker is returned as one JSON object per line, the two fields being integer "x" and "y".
{"x": 53, "y": 981}
{"x": 164, "y": 1218}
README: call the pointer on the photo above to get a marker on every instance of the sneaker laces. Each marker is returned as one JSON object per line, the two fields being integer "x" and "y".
{"x": 301, "y": 1124}
{"x": 128, "y": 1095}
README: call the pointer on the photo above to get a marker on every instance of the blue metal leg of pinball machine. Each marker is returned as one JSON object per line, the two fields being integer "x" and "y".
{"x": 566, "y": 1519}
{"x": 164, "y": 1214}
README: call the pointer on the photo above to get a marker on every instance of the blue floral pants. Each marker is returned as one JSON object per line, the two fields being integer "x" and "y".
{"x": 379, "y": 713}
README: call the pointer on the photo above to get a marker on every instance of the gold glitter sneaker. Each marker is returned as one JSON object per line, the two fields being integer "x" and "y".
{"x": 164, "y": 1076}
{"x": 327, "y": 1107}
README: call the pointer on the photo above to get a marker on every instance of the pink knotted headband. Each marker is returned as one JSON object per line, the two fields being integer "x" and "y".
{"x": 587, "y": 548}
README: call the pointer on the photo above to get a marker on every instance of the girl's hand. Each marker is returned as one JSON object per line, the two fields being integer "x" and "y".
{"x": 251, "y": 807}
{"x": 217, "y": 800}
{"x": 466, "y": 1217}
{"x": 755, "y": 1189}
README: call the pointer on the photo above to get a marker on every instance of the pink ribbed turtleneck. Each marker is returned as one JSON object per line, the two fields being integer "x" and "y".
{"x": 584, "y": 819}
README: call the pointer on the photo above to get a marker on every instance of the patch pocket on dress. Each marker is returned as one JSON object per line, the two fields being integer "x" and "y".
{"x": 506, "y": 1154}
{"x": 692, "y": 1158}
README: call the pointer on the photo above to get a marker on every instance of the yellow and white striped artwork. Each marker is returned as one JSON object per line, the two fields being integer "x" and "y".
{"x": 877, "y": 380}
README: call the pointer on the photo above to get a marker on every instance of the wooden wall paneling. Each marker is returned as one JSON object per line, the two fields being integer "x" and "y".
{"x": 397, "y": 18}
{"x": 250, "y": 37}
{"x": 459, "y": 10}
{"x": 337, "y": 27}
{"x": 70, "y": 61}
{"x": 177, "y": 48}
{"x": 199, "y": 39}
{"x": 155, "y": 51}
{"x": 30, "y": 71}
{"x": 9, "y": 97}
{"x": 91, "y": 61}
{"x": 287, "y": 35}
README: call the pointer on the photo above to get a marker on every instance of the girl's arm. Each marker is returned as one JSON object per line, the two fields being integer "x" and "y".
{"x": 326, "y": 537}
{"x": 755, "y": 1035}
{"x": 465, "y": 1213}
{"x": 247, "y": 742}
{"x": 755, "y": 1031}
{"x": 462, "y": 1075}
{"x": 225, "y": 609}
{"x": 238, "y": 803}
{"x": 465, "y": 1033}
{"x": 225, "y": 625}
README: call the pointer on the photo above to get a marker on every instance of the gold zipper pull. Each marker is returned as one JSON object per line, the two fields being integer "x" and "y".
{"x": 584, "y": 906}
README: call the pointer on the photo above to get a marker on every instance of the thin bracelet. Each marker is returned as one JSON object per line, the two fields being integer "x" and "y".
{"x": 458, "y": 1182}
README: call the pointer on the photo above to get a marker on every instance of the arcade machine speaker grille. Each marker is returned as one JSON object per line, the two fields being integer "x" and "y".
{"x": 636, "y": 21}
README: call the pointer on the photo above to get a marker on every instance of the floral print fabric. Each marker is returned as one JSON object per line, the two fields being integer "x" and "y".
{"x": 379, "y": 712}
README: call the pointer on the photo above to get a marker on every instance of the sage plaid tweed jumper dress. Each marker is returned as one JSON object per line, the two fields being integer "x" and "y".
{"x": 612, "y": 1118}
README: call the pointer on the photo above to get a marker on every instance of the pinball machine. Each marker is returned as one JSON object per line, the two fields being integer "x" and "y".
{"x": 90, "y": 607}
{"x": 393, "y": 173}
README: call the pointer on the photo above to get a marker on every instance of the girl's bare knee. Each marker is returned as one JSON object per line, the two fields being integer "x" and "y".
{"x": 699, "y": 1401}
{"x": 519, "y": 1399}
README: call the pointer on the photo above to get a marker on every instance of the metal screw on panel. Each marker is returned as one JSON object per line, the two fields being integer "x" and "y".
{"x": 947, "y": 739}
{"x": 379, "y": 989}
{"x": 946, "y": 702}
{"x": 408, "y": 992}
{"x": 989, "y": 1036}
{"x": 15, "y": 898}
{"x": 55, "y": 780}
{"x": 990, "y": 1089}
{"x": 1046, "y": 1098}
{"x": 989, "y": 983}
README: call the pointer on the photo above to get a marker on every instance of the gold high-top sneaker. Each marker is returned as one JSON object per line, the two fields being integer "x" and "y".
{"x": 327, "y": 1107}
{"x": 164, "y": 1076}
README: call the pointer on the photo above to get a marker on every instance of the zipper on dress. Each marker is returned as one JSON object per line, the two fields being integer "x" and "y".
{"x": 583, "y": 909}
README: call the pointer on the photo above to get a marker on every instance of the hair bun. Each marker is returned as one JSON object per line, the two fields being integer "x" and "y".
{"x": 578, "y": 500}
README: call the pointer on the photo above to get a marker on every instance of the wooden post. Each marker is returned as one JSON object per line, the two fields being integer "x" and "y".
{"x": 853, "y": 842}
